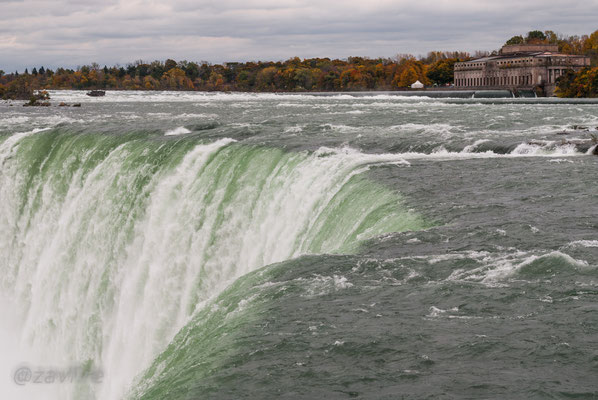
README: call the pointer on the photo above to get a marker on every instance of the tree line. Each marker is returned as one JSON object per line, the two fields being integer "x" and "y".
{"x": 314, "y": 74}
{"x": 292, "y": 75}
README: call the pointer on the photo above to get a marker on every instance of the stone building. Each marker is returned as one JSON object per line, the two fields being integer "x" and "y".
{"x": 518, "y": 67}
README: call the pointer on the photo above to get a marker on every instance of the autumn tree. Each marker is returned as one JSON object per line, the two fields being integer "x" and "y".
{"x": 265, "y": 78}
{"x": 215, "y": 81}
{"x": 329, "y": 80}
{"x": 245, "y": 80}
{"x": 150, "y": 83}
{"x": 590, "y": 48}
{"x": 175, "y": 78}
{"x": 408, "y": 77}
{"x": 551, "y": 37}
{"x": 581, "y": 84}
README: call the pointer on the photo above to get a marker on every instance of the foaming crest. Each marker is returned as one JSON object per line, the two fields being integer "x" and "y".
{"x": 497, "y": 269}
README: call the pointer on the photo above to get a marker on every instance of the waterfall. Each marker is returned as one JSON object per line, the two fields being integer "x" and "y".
{"x": 111, "y": 243}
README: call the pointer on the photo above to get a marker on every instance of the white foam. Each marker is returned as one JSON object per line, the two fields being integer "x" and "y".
{"x": 584, "y": 243}
{"x": 545, "y": 148}
{"x": 560, "y": 160}
{"x": 436, "y": 312}
{"x": 181, "y": 130}
{"x": 15, "y": 120}
{"x": 294, "y": 129}
{"x": 321, "y": 285}
{"x": 284, "y": 99}
{"x": 340, "y": 128}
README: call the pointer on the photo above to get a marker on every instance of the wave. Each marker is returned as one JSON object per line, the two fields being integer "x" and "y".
{"x": 498, "y": 269}
{"x": 584, "y": 243}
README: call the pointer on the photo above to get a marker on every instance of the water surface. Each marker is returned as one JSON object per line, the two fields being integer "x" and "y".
{"x": 196, "y": 245}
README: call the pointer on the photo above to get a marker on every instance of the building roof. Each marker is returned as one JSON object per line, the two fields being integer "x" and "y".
{"x": 522, "y": 54}
{"x": 528, "y": 48}
{"x": 524, "y": 50}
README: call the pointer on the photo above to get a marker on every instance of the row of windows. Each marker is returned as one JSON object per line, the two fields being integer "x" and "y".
{"x": 523, "y": 80}
{"x": 515, "y": 62}
{"x": 512, "y": 62}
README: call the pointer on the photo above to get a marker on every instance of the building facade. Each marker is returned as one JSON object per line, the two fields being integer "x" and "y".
{"x": 518, "y": 67}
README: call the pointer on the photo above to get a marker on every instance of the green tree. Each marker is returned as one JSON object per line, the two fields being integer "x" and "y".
{"x": 442, "y": 71}
{"x": 205, "y": 71}
{"x": 157, "y": 69}
{"x": 330, "y": 81}
{"x": 169, "y": 64}
{"x": 191, "y": 70}
{"x": 143, "y": 70}
{"x": 535, "y": 36}
{"x": 303, "y": 78}
{"x": 516, "y": 40}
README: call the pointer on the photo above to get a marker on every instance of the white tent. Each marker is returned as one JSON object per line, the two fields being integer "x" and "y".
{"x": 417, "y": 85}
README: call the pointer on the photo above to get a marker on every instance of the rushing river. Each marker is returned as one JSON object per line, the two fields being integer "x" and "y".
{"x": 226, "y": 246}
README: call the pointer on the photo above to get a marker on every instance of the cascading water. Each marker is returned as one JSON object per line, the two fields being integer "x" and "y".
{"x": 111, "y": 243}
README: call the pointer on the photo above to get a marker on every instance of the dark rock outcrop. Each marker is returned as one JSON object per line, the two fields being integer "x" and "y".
{"x": 35, "y": 99}
{"x": 96, "y": 93}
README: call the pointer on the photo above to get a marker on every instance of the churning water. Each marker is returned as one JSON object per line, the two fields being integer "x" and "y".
{"x": 189, "y": 245}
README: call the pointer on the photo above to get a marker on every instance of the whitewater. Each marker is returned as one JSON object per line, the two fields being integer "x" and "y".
{"x": 212, "y": 245}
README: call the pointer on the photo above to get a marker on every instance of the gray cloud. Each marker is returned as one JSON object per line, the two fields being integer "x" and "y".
{"x": 77, "y": 32}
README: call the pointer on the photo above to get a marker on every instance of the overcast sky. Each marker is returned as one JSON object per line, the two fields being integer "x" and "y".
{"x": 76, "y": 32}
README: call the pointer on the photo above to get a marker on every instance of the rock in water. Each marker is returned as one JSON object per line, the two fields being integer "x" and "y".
{"x": 96, "y": 93}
